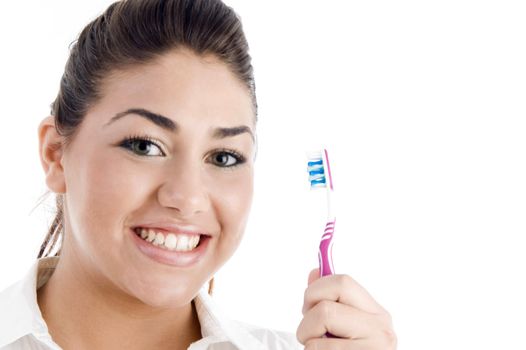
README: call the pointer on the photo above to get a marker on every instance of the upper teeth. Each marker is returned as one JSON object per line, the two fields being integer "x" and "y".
{"x": 172, "y": 241}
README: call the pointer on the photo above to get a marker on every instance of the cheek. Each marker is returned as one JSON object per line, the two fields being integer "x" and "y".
{"x": 232, "y": 200}
{"x": 104, "y": 190}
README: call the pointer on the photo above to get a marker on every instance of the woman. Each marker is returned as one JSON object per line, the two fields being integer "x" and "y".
{"x": 150, "y": 148}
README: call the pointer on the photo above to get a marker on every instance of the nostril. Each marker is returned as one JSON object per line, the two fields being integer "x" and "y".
{"x": 186, "y": 198}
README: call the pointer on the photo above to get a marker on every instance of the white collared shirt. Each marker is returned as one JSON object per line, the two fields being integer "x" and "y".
{"x": 23, "y": 328}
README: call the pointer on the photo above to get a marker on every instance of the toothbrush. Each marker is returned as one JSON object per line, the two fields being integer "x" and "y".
{"x": 320, "y": 177}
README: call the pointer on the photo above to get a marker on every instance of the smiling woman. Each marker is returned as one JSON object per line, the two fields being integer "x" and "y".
{"x": 171, "y": 180}
{"x": 150, "y": 150}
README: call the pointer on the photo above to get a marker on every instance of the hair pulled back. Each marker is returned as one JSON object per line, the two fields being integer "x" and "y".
{"x": 134, "y": 32}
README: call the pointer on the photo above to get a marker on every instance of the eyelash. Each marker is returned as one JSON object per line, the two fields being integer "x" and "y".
{"x": 240, "y": 159}
{"x": 140, "y": 138}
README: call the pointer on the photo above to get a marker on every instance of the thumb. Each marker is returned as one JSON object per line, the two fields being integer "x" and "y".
{"x": 314, "y": 275}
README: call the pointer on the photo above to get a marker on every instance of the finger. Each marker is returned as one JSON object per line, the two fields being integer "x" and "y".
{"x": 342, "y": 289}
{"x": 314, "y": 275}
{"x": 340, "y": 320}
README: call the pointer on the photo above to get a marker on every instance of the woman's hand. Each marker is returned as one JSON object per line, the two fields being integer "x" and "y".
{"x": 339, "y": 305}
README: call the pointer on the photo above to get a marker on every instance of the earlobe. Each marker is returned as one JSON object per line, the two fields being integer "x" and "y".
{"x": 51, "y": 149}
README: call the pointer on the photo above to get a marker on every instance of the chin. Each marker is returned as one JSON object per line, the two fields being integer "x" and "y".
{"x": 159, "y": 294}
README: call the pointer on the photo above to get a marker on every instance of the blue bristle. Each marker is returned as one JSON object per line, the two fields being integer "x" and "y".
{"x": 316, "y": 173}
{"x": 314, "y": 163}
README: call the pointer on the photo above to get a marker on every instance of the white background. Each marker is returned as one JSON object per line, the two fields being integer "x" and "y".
{"x": 422, "y": 106}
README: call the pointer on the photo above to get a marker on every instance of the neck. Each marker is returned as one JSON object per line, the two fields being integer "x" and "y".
{"x": 81, "y": 314}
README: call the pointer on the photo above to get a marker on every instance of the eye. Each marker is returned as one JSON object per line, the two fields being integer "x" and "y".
{"x": 142, "y": 146}
{"x": 227, "y": 159}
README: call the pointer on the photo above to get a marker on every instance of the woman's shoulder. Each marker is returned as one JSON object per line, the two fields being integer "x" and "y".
{"x": 21, "y": 321}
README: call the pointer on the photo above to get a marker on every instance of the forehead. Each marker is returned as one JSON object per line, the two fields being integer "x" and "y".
{"x": 182, "y": 85}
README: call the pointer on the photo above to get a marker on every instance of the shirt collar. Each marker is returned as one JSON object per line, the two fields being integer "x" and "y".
{"x": 215, "y": 328}
{"x": 21, "y": 315}
{"x": 20, "y": 299}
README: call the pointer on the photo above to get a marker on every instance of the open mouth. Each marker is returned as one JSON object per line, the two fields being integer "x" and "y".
{"x": 176, "y": 242}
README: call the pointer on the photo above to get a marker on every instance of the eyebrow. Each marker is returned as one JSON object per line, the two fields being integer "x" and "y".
{"x": 169, "y": 125}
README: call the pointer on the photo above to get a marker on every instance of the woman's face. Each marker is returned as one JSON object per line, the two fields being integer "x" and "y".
{"x": 168, "y": 150}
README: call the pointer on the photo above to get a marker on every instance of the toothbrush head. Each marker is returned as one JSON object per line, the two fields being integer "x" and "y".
{"x": 319, "y": 170}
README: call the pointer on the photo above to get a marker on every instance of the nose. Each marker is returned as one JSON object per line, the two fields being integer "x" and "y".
{"x": 184, "y": 191}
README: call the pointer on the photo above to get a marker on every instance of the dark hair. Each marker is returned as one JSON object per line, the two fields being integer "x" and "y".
{"x": 134, "y": 32}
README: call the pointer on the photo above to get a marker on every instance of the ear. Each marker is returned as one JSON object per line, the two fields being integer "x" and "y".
{"x": 51, "y": 150}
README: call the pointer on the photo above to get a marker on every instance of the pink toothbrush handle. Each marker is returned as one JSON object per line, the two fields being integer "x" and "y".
{"x": 325, "y": 255}
{"x": 325, "y": 252}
